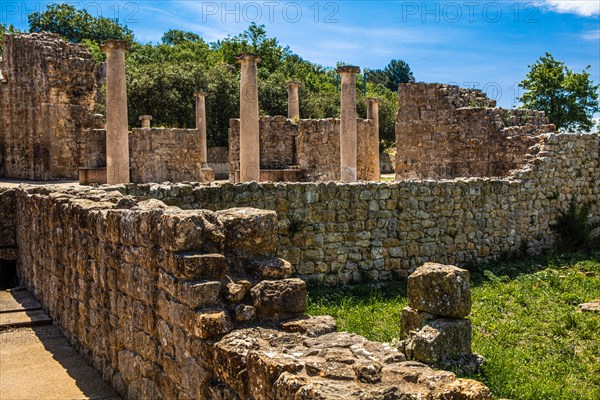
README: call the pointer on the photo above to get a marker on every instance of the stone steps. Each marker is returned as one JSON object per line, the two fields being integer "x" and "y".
{"x": 18, "y": 309}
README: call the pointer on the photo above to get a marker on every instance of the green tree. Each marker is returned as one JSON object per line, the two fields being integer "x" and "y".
{"x": 253, "y": 40}
{"x": 174, "y": 37}
{"x": 6, "y": 29}
{"x": 568, "y": 98}
{"x": 77, "y": 25}
{"x": 396, "y": 72}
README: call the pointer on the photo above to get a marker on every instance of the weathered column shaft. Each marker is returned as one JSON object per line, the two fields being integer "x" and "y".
{"x": 373, "y": 114}
{"x": 249, "y": 124}
{"x": 293, "y": 100}
{"x": 201, "y": 126}
{"x": 348, "y": 124}
{"x": 117, "y": 131}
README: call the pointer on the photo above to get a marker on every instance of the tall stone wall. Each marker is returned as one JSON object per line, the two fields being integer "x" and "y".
{"x": 341, "y": 233}
{"x": 444, "y": 131}
{"x": 312, "y": 145}
{"x": 45, "y": 104}
{"x": 174, "y": 304}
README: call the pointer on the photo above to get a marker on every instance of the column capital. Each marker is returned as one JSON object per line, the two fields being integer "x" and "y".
{"x": 111, "y": 44}
{"x": 200, "y": 93}
{"x": 374, "y": 100}
{"x": 248, "y": 57}
{"x": 293, "y": 84}
{"x": 143, "y": 117}
{"x": 348, "y": 69}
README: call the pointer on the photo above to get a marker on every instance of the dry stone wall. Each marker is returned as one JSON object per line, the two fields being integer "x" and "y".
{"x": 175, "y": 304}
{"x": 45, "y": 103}
{"x": 311, "y": 145}
{"x": 444, "y": 131}
{"x": 340, "y": 233}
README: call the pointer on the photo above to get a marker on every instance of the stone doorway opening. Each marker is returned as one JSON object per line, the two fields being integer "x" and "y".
{"x": 8, "y": 274}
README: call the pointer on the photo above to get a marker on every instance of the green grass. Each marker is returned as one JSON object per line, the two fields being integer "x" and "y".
{"x": 525, "y": 323}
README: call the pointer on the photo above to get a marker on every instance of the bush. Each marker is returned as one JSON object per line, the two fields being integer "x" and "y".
{"x": 577, "y": 229}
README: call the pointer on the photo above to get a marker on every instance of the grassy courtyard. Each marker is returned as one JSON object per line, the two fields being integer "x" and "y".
{"x": 525, "y": 323}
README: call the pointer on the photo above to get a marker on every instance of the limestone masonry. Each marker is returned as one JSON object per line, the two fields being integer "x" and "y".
{"x": 310, "y": 146}
{"x": 444, "y": 131}
{"x": 45, "y": 104}
{"x": 340, "y": 233}
{"x": 193, "y": 304}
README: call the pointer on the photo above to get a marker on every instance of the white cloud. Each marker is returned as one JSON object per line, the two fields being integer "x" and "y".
{"x": 584, "y": 8}
{"x": 593, "y": 35}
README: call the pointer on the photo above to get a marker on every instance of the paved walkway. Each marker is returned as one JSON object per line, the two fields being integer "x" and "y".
{"x": 36, "y": 361}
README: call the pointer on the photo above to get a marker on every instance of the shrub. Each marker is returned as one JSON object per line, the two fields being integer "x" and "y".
{"x": 577, "y": 229}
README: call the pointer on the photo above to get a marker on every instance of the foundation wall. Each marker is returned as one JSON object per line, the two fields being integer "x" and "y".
{"x": 45, "y": 103}
{"x": 312, "y": 145}
{"x": 341, "y": 233}
{"x": 444, "y": 131}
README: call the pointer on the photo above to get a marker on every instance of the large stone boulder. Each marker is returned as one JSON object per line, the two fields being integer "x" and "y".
{"x": 441, "y": 290}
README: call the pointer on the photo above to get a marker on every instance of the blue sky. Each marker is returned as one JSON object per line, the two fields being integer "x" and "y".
{"x": 483, "y": 44}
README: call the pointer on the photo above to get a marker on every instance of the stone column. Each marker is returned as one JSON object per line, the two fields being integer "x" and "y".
{"x": 293, "y": 101}
{"x": 201, "y": 126}
{"x": 145, "y": 121}
{"x": 249, "y": 124}
{"x": 373, "y": 114}
{"x": 348, "y": 124}
{"x": 117, "y": 131}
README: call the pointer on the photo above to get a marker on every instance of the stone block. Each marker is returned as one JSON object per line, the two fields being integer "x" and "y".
{"x": 199, "y": 230}
{"x": 413, "y": 320}
{"x": 208, "y": 324}
{"x": 269, "y": 268}
{"x": 441, "y": 290}
{"x": 274, "y": 299}
{"x": 196, "y": 266}
{"x": 442, "y": 339}
{"x": 249, "y": 231}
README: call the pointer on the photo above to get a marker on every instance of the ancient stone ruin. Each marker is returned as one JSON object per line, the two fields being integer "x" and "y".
{"x": 171, "y": 303}
{"x": 185, "y": 289}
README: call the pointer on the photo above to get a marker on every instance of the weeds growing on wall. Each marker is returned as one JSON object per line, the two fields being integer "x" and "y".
{"x": 578, "y": 229}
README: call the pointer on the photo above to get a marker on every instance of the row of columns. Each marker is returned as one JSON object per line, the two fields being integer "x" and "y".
{"x": 249, "y": 121}
{"x": 117, "y": 133}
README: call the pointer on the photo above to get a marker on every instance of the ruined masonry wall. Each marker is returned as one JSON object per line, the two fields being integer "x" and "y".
{"x": 46, "y": 102}
{"x": 159, "y": 155}
{"x": 313, "y": 145}
{"x": 444, "y": 131}
{"x": 174, "y": 304}
{"x": 156, "y": 155}
{"x": 340, "y": 233}
{"x": 141, "y": 290}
